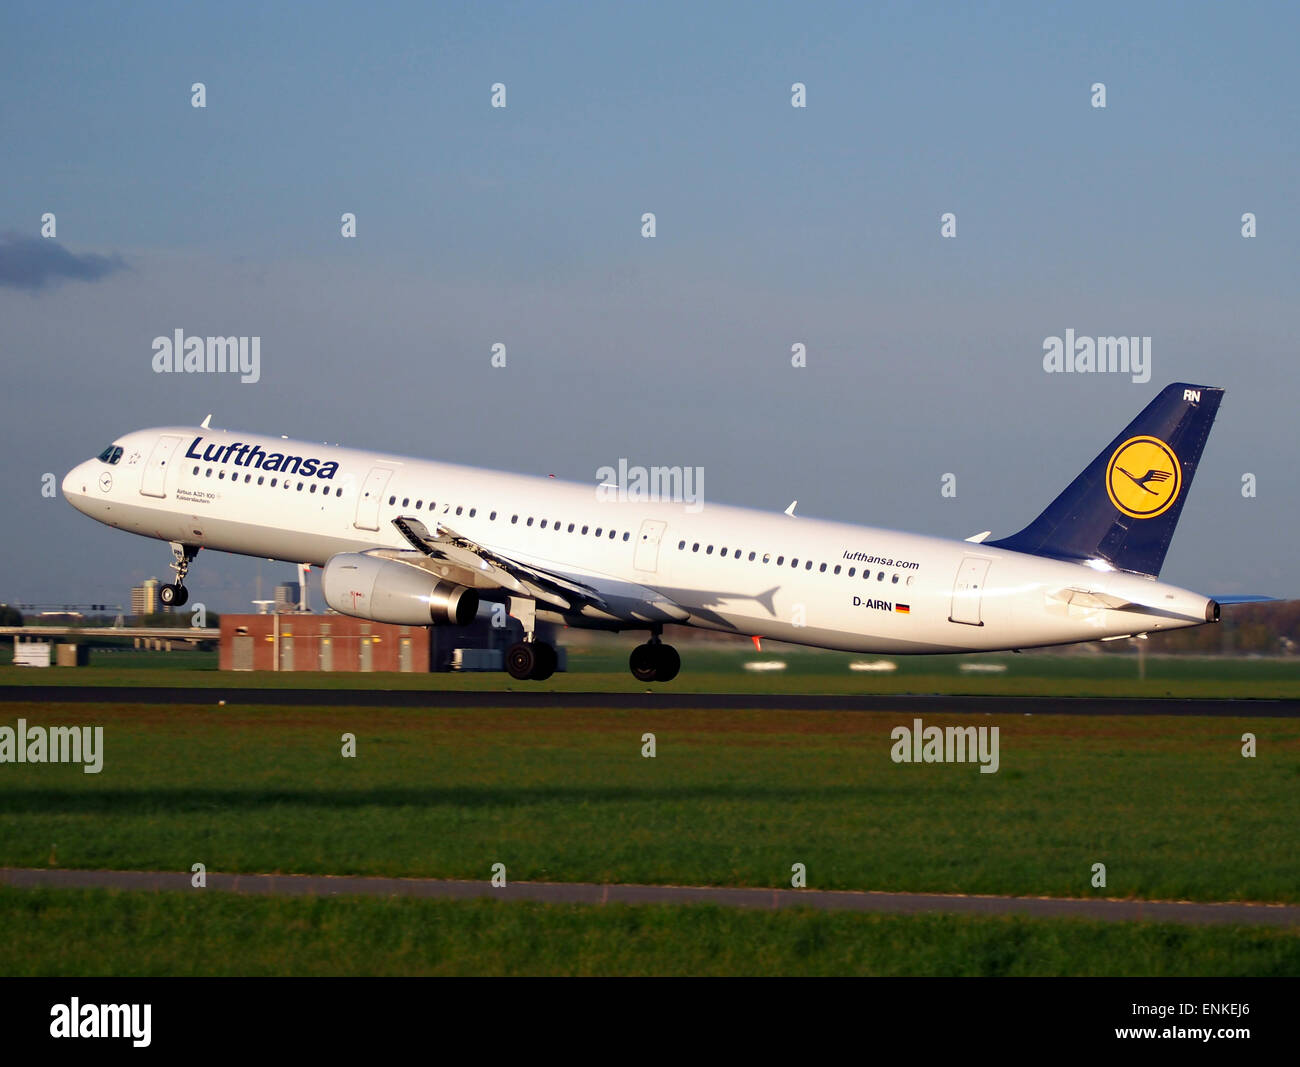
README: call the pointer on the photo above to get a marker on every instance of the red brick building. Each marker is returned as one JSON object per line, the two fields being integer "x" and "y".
{"x": 342, "y": 643}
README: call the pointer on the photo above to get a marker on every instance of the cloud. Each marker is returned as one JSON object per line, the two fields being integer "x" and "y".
{"x": 34, "y": 262}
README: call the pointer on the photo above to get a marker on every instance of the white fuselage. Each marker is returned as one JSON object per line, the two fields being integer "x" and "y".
{"x": 813, "y": 582}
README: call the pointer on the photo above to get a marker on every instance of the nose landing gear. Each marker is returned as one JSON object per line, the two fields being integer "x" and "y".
{"x": 175, "y": 595}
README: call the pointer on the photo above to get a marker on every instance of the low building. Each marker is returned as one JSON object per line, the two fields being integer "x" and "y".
{"x": 341, "y": 643}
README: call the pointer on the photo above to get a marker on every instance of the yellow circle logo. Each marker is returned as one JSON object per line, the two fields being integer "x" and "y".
{"x": 1143, "y": 477}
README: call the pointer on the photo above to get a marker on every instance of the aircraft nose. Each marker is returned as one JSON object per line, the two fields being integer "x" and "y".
{"x": 75, "y": 485}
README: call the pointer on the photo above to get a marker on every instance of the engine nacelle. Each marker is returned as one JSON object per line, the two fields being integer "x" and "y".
{"x": 383, "y": 590}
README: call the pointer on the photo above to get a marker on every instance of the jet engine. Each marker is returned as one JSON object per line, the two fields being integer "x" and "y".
{"x": 383, "y": 590}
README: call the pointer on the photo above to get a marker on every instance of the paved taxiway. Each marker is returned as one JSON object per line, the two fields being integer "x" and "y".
{"x": 1175, "y": 911}
{"x": 659, "y": 699}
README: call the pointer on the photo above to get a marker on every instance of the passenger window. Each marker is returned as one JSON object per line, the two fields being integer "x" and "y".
{"x": 822, "y": 568}
{"x": 530, "y": 521}
{"x": 273, "y": 481}
{"x": 196, "y": 470}
{"x": 570, "y": 527}
{"x": 492, "y": 517}
{"x": 695, "y": 547}
{"x": 313, "y": 487}
{"x": 853, "y": 571}
{"x": 597, "y": 531}
{"x": 894, "y": 579}
{"x": 626, "y": 534}
{"x": 261, "y": 478}
{"x": 794, "y": 563}
{"x": 681, "y": 545}
{"x": 543, "y": 524}
{"x": 808, "y": 566}
{"x": 880, "y": 577}
{"x": 584, "y": 529}
{"x": 709, "y": 551}
{"x": 392, "y": 500}
{"x": 406, "y": 501}
{"x": 418, "y": 503}
{"x": 767, "y": 557}
{"x": 458, "y": 508}
{"x": 837, "y": 568}
{"x": 751, "y": 557}
{"x": 780, "y": 561}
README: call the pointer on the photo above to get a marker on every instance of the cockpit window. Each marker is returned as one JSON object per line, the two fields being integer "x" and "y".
{"x": 111, "y": 454}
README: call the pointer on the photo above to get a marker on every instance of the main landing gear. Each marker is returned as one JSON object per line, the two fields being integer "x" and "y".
{"x": 529, "y": 660}
{"x": 654, "y": 661}
{"x": 174, "y": 595}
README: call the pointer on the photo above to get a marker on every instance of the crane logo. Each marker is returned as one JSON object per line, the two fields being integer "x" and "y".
{"x": 1143, "y": 477}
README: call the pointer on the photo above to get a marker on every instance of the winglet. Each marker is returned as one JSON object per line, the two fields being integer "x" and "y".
{"x": 206, "y": 424}
{"x": 790, "y": 510}
{"x": 977, "y": 538}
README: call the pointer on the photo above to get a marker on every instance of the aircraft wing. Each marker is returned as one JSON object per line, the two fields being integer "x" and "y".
{"x": 493, "y": 569}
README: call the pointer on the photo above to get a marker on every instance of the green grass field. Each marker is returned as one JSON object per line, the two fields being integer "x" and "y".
{"x": 97, "y": 932}
{"x": 731, "y": 798}
{"x": 712, "y": 669}
{"x": 735, "y": 798}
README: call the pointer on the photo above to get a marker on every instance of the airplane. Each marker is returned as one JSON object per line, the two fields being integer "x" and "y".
{"x": 415, "y": 542}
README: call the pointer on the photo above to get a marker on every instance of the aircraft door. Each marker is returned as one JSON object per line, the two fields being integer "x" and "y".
{"x": 967, "y": 591}
{"x": 647, "y": 545}
{"x": 370, "y": 497}
{"x": 154, "y": 481}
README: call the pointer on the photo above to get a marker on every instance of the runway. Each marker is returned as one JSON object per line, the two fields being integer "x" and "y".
{"x": 910, "y": 703}
{"x": 1171, "y": 911}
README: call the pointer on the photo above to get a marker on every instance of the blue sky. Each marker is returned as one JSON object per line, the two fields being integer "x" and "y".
{"x": 775, "y": 225}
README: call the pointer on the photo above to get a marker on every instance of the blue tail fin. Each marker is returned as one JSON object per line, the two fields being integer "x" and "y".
{"x": 1124, "y": 507}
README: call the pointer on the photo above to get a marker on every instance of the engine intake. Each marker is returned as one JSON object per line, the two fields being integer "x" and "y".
{"x": 383, "y": 590}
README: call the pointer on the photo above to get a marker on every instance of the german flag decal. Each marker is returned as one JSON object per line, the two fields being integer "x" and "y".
{"x": 903, "y": 609}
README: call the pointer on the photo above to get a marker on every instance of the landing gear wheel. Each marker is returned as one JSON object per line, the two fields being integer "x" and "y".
{"x": 521, "y": 660}
{"x": 173, "y": 596}
{"x": 654, "y": 662}
{"x": 546, "y": 663}
{"x": 669, "y": 663}
{"x": 644, "y": 663}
